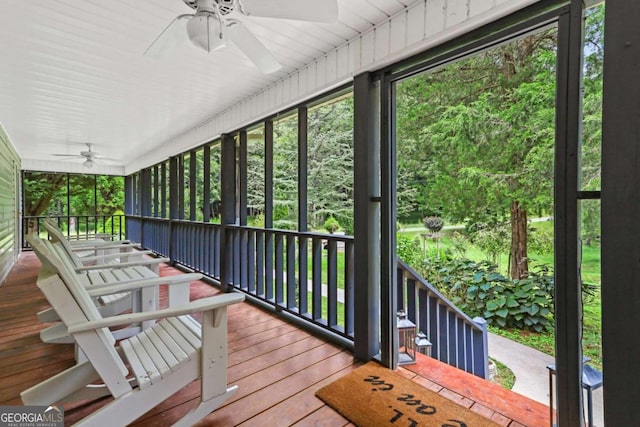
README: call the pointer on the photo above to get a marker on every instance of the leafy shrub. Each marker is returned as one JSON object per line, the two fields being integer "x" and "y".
{"x": 331, "y": 225}
{"x": 118, "y": 227}
{"x": 478, "y": 289}
{"x": 540, "y": 239}
{"x": 408, "y": 249}
{"x": 492, "y": 238}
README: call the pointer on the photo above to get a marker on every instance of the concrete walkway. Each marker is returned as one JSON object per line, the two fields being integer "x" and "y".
{"x": 530, "y": 369}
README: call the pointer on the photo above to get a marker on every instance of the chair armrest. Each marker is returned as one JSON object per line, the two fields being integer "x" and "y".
{"x": 132, "y": 285}
{"x": 107, "y": 245}
{"x": 118, "y": 255}
{"x": 98, "y": 242}
{"x": 198, "y": 306}
{"x": 141, "y": 262}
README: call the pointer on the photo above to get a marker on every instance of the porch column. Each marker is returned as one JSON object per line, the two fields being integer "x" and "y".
{"x": 620, "y": 207}
{"x": 568, "y": 291}
{"x": 145, "y": 192}
{"x": 228, "y": 208}
{"x": 174, "y": 201}
{"x": 193, "y": 191}
{"x": 242, "y": 165}
{"x": 129, "y": 190}
{"x": 206, "y": 183}
{"x": 367, "y": 218}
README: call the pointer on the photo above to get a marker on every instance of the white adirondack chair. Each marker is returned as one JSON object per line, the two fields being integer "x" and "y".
{"x": 86, "y": 240}
{"x": 105, "y": 287}
{"x": 163, "y": 359}
{"x": 92, "y": 245}
{"x": 125, "y": 256}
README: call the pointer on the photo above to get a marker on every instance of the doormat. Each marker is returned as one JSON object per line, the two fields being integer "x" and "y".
{"x": 373, "y": 396}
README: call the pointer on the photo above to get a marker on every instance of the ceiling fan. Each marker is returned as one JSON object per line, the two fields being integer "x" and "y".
{"x": 215, "y": 23}
{"x": 89, "y": 155}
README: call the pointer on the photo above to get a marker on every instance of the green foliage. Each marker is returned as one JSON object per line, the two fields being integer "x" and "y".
{"x": 46, "y": 194}
{"x": 492, "y": 238}
{"x": 408, "y": 250}
{"x": 541, "y": 238}
{"x": 114, "y": 224}
{"x": 504, "y": 376}
{"x": 331, "y": 225}
{"x": 479, "y": 290}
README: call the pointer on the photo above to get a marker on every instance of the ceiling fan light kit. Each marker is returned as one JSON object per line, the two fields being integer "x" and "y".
{"x": 215, "y": 23}
{"x": 206, "y": 31}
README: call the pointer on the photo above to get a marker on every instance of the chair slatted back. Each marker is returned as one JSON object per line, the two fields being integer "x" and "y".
{"x": 57, "y": 237}
{"x": 73, "y": 304}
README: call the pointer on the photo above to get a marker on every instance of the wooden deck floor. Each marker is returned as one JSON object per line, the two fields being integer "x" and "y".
{"x": 277, "y": 366}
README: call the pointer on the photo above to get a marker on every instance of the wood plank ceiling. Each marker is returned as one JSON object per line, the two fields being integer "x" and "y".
{"x": 72, "y": 72}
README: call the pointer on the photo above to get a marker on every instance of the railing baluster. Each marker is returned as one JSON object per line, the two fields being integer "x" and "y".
{"x": 443, "y": 333}
{"x": 349, "y": 301}
{"x": 260, "y": 271}
{"x": 332, "y": 278}
{"x": 251, "y": 261}
{"x": 460, "y": 344}
{"x": 292, "y": 285}
{"x": 268, "y": 265}
{"x": 451, "y": 344}
{"x": 316, "y": 281}
{"x": 303, "y": 275}
{"x": 244, "y": 259}
{"x": 279, "y": 269}
{"x": 411, "y": 300}
{"x": 237, "y": 260}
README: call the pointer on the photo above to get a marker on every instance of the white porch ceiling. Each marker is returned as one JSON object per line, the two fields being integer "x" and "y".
{"x": 72, "y": 72}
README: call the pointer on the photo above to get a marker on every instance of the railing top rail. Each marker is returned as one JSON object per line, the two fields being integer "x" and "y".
{"x": 423, "y": 282}
{"x": 311, "y": 234}
{"x": 70, "y": 216}
{"x": 155, "y": 218}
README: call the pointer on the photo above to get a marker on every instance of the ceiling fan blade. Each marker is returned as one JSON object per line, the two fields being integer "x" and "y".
{"x": 252, "y": 47}
{"x": 301, "y": 10}
{"x": 107, "y": 159}
{"x": 173, "y": 35}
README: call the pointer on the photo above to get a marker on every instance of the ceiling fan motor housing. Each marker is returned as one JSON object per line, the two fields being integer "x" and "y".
{"x": 223, "y": 6}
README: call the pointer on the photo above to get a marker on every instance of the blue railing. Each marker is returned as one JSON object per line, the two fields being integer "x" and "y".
{"x": 456, "y": 338}
{"x": 266, "y": 264}
{"x": 77, "y": 227}
{"x": 310, "y": 276}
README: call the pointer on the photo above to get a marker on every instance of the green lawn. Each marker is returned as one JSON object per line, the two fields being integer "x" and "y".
{"x": 544, "y": 342}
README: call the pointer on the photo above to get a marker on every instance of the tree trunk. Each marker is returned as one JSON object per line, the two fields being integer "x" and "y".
{"x": 518, "y": 255}
{"x": 53, "y": 184}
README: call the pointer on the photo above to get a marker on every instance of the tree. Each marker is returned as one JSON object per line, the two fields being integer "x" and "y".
{"x": 330, "y": 163}
{"x": 40, "y": 189}
{"x": 592, "y": 120}
{"x": 478, "y": 136}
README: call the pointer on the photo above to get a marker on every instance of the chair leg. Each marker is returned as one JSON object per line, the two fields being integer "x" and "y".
{"x": 58, "y": 387}
{"x": 205, "y": 408}
{"x": 126, "y": 408}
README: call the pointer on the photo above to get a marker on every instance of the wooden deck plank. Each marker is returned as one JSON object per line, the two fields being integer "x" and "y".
{"x": 506, "y": 403}
{"x": 286, "y": 414}
{"x": 277, "y": 365}
{"x": 323, "y": 417}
